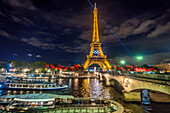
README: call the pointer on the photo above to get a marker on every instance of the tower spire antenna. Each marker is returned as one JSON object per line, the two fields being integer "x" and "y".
{"x": 95, "y": 6}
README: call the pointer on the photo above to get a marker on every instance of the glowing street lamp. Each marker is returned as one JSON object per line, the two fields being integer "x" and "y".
{"x": 122, "y": 62}
{"x": 139, "y": 58}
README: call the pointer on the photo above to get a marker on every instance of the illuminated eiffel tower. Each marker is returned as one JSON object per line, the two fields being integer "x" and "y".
{"x": 96, "y": 55}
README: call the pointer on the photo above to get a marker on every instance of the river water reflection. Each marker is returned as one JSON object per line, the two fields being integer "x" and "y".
{"x": 89, "y": 88}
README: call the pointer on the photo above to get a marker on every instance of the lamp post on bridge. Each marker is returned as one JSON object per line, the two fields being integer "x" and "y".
{"x": 139, "y": 58}
{"x": 122, "y": 62}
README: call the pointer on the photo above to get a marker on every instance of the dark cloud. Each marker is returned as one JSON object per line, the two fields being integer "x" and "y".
{"x": 52, "y": 46}
{"x": 5, "y": 34}
{"x": 38, "y": 56}
{"x": 160, "y": 29}
{"x": 139, "y": 25}
{"x": 30, "y": 55}
{"x": 23, "y": 20}
{"x": 21, "y": 4}
{"x": 86, "y": 35}
{"x": 38, "y": 43}
{"x": 144, "y": 27}
{"x": 15, "y": 54}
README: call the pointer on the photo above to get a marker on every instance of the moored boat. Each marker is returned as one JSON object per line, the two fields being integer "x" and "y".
{"x": 32, "y": 86}
{"x": 58, "y": 104}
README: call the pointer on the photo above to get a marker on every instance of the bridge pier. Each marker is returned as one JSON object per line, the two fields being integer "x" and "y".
{"x": 97, "y": 76}
{"x": 107, "y": 82}
{"x": 131, "y": 96}
{"x": 101, "y": 79}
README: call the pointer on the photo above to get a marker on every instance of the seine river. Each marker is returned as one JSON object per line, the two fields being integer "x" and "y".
{"x": 94, "y": 88}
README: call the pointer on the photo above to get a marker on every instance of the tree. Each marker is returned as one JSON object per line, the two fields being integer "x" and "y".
{"x": 19, "y": 64}
{"x": 39, "y": 64}
{"x": 4, "y": 65}
{"x": 81, "y": 68}
{"x": 145, "y": 66}
{"x": 76, "y": 69}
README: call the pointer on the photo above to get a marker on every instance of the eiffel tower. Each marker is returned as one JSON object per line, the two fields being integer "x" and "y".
{"x": 96, "y": 55}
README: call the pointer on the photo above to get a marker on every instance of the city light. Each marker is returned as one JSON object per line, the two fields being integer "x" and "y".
{"x": 139, "y": 57}
{"x": 25, "y": 70}
{"x": 36, "y": 70}
{"x": 122, "y": 62}
{"x": 48, "y": 70}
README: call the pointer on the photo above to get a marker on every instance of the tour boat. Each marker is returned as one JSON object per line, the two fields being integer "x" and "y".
{"x": 53, "y": 103}
{"x": 32, "y": 86}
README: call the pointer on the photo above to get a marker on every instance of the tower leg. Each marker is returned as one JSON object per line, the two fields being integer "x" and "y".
{"x": 107, "y": 64}
{"x": 86, "y": 64}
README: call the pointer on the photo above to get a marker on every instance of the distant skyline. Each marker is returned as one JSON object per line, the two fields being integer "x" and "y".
{"x": 60, "y": 31}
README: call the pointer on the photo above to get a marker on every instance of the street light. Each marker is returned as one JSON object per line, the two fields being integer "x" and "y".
{"x": 139, "y": 58}
{"x": 122, "y": 62}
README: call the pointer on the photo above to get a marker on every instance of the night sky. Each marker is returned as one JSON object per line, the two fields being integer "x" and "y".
{"x": 60, "y": 31}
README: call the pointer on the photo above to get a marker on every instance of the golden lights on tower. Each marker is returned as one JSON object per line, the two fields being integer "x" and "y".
{"x": 96, "y": 55}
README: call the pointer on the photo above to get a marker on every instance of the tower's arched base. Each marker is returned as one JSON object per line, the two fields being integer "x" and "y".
{"x": 103, "y": 63}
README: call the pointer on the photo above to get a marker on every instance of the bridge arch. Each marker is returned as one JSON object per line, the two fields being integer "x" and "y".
{"x": 116, "y": 84}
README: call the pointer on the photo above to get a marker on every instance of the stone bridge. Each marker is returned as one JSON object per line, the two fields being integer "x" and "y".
{"x": 131, "y": 88}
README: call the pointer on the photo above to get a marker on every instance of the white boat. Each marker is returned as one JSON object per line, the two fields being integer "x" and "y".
{"x": 32, "y": 86}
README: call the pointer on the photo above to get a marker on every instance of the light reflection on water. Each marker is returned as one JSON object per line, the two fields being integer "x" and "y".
{"x": 92, "y": 88}
{"x": 84, "y": 88}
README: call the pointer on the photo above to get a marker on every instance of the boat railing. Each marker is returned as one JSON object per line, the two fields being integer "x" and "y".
{"x": 83, "y": 105}
{"x": 31, "y": 85}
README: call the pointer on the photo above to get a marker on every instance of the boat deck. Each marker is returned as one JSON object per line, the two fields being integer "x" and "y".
{"x": 52, "y": 103}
